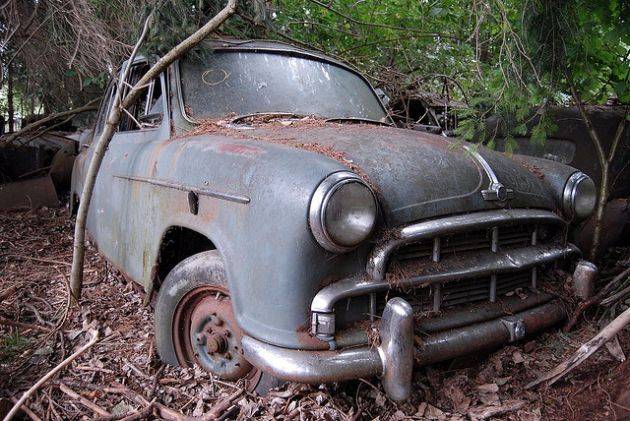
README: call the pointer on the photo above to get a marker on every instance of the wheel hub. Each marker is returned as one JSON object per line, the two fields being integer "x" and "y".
{"x": 209, "y": 334}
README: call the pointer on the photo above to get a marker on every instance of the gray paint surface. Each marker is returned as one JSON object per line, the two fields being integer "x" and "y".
{"x": 274, "y": 266}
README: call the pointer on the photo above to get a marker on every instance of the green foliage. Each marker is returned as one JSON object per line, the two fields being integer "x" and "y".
{"x": 174, "y": 20}
{"x": 10, "y": 345}
{"x": 510, "y": 57}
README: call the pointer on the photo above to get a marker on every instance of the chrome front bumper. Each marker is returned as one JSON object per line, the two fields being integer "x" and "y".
{"x": 393, "y": 359}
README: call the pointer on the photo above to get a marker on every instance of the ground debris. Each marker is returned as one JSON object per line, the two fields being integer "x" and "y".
{"x": 122, "y": 376}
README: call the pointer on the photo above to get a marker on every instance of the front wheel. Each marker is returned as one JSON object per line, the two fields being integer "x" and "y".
{"x": 194, "y": 321}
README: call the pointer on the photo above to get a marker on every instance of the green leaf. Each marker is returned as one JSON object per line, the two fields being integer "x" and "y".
{"x": 510, "y": 145}
{"x": 520, "y": 130}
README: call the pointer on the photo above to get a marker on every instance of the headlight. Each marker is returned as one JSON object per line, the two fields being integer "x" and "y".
{"x": 343, "y": 212}
{"x": 579, "y": 197}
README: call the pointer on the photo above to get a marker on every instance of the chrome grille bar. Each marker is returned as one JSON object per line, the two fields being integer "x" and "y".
{"x": 484, "y": 264}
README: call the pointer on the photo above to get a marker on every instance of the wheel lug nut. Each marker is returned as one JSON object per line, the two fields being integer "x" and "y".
{"x": 200, "y": 338}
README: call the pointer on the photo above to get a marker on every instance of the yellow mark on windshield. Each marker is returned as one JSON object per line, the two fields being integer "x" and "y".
{"x": 206, "y": 77}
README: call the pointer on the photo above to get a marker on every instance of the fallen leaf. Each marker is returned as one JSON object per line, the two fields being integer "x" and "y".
{"x": 488, "y": 411}
{"x": 488, "y": 394}
{"x": 517, "y": 357}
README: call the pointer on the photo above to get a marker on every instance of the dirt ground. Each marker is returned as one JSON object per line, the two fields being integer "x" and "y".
{"x": 121, "y": 377}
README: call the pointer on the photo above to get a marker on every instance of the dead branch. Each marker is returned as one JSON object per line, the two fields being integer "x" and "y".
{"x": 7, "y": 322}
{"x": 491, "y": 411}
{"x": 88, "y": 107}
{"x": 131, "y": 415}
{"x": 223, "y": 405}
{"x": 596, "y": 299}
{"x": 76, "y": 277}
{"x": 8, "y": 292}
{"x": 36, "y": 259}
{"x": 85, "y": 402}
{"x": 27, "y": 411}
{"x": 585, "y": 351}
{"x": 51, "y": 374}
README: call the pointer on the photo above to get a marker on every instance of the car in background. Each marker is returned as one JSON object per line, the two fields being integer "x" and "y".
{"x": 571, "y": 144}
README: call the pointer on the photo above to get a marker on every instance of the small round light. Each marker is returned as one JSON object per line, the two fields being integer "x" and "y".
{"x": 343, "y": 212}
{"x": 579, "y": 197}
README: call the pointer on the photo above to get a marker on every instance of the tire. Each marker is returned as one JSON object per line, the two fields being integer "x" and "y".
{"x": 201, "y": 276}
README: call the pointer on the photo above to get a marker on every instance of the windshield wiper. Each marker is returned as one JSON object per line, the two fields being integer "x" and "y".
{"x": 270, "y": 115}
{"x": 289, "y": 116}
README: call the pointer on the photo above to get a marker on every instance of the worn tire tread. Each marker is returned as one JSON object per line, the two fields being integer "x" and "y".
{"x": 200, "y": 269}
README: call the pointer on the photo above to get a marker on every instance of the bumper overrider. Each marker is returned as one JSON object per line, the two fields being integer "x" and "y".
{"x": 456, "y": 333}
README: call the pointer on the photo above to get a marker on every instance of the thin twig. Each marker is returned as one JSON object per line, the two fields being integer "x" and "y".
{"x": 51, "y": 374}
{"x": 585, "y": 351}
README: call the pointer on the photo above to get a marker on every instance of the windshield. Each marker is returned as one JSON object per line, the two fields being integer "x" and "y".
{"x": 263, "y": 82}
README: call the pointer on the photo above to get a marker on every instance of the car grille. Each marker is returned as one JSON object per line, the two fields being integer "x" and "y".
{"x": 468, "y": 242}
{"x": 456, "y": 293}
{"x": 459, "y": 245}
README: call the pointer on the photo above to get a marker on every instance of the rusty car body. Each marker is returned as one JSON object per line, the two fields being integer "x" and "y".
{"x": 288, "y": 229}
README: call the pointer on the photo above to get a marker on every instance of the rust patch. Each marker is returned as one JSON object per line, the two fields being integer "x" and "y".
{"x": 388, "y": 234}
{"x": 305, "y": 339}
{"x": 240, "y": 149}
{"x": 534, "y": 169}
{"x": 221, "y": 127}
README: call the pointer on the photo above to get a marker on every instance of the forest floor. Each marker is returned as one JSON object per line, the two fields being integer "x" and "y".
{"x": 121, "y": 377}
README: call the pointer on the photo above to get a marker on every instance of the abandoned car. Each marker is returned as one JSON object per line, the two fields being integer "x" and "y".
{"x": 290, "y": 231}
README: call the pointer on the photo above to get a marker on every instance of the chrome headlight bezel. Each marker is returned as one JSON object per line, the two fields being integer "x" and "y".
{"x": 319, "y": 205}
{"x": 571, "y": 192}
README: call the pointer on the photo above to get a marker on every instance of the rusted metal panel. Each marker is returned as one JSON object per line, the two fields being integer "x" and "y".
{"x": 29, "y": 194}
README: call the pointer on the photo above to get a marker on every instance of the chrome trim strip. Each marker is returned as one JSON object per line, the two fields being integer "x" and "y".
{"x": 183, "y": 187}
{"x": 484, "y": 264}
{"x": 180, "y": 97}
{"x": 377, "y": 263}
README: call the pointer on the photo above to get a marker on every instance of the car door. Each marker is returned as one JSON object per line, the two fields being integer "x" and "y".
{"x": 115, "y": 220}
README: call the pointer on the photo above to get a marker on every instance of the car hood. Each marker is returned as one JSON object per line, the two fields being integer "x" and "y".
{"x": 414, "y": 174}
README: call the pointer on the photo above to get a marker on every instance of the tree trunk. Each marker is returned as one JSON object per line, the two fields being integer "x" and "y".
{"x": 76, "y": 277}
{"x": 11, "y": 110}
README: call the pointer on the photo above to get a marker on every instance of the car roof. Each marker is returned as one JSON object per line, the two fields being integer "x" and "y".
{"x": 261, "y": 45}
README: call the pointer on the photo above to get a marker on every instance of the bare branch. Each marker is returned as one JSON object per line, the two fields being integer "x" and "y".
{"x": 87, "y": 107}
{"x": 51, "y": 374}
{"x": 76, "y": 278}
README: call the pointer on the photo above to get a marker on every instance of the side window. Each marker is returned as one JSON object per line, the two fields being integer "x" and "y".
{"x": 147, "y": 111}
{"x": 105, "y": 105}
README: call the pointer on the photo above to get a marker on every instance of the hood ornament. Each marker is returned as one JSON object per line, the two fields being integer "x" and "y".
{"x": 496, "y": 191}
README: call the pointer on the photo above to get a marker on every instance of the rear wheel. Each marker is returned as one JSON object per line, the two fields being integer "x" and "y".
{"x": 195, "y": 324}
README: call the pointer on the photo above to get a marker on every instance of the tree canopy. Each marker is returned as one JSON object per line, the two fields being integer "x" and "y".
{"x": 503, "y": 57}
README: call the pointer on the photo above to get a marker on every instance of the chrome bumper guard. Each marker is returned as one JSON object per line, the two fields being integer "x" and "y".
{"x": 393, "y": 359}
